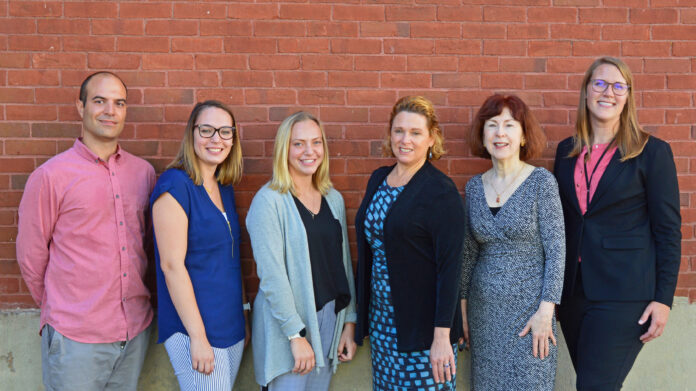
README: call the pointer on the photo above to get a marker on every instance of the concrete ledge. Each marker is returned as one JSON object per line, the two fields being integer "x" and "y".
{"x": 665, "y": 364}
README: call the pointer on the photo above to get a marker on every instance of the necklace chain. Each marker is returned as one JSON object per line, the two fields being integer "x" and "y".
{"x": 498, "y": 194}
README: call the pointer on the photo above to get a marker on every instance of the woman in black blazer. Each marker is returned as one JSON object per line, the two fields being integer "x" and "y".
{"x": 409, "y": 236}
{"x": 623, "y": 246}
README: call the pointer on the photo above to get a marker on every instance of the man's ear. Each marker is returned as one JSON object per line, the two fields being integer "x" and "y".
{"x": 80, "y": 107}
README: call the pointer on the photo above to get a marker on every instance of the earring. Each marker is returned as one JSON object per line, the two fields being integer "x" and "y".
{"x": 523, "y": 143}
{"x": 430, "y": 153}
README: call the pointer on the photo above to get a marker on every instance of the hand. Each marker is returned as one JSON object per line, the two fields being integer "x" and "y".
{"x": 303, "y": 354}
{"x": 347, "y": 343}
{"x": 202, "y": 356}
{"x": 465, "y": 328}
{"x": 442, "y": 356}
{"x": 659, "y": 313}
{"x": 247, "y": 329}
{"x": 540, "y": 324}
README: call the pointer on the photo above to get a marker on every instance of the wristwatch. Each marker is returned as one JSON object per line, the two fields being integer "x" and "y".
{"x": 301, "y": 334}
{"x": 246, "y": 306}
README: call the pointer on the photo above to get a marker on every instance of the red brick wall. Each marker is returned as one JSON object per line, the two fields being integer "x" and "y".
{"x": 348, "y": 62}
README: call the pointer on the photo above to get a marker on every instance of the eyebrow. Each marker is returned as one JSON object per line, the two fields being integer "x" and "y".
{"x": 103, "y": 98}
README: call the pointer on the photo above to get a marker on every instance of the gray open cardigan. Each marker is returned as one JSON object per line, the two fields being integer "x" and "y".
{"x": 285, "y": 304}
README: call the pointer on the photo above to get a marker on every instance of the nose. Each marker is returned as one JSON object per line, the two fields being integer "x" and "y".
{"x": 109, "y": 108}
{"x": 216, "y": 136}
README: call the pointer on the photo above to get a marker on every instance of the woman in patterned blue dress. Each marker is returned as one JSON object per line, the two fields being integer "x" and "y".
{"x": 409, "y": 251}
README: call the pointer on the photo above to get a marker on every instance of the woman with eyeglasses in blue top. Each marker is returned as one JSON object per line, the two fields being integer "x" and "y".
{"x": 620, "y": 198}
{"x": 201, "y": 319}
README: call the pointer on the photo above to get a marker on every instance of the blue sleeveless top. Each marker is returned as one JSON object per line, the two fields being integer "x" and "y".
{"x": 212, "y": 261}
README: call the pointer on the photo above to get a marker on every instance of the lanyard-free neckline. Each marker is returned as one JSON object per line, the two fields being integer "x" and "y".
{"x": 588, "y": 181}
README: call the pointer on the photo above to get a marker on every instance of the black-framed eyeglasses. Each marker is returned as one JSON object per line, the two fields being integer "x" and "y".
{"x": 619, "y": 88}
{"x": 208, "y": 131}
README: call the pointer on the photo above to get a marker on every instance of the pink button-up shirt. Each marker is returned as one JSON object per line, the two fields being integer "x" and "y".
{"x": 80, "y": 244}
{"x": 579, "y": 175}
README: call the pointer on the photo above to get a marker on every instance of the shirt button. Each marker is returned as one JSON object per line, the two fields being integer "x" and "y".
{"x": 124, "y": 299}
{"x": 117, "y": 196}
{"x": 124, "y": 274}
{"x": 113, "y": 173}
{"x": 123, "y": 248}
{"x": 120, "y": 223}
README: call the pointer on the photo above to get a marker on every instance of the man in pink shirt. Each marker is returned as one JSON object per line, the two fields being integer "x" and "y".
{"x": 80, "y": 250}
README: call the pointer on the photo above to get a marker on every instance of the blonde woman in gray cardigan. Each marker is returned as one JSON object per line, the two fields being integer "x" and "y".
{"x": 304, "y": 313}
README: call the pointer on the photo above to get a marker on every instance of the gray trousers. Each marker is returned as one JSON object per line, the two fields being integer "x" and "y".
{"x": 77, "y": 366}
{"x": 319, "y": 378}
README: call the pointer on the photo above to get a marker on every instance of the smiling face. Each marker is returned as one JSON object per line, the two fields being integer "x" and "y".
{"x": 306, "y": 150}
{"x": 502, "y": 136}
{"x": 605, "y": 107}
{"x": 104, "y": 111}
{"x": 410, "y": 138}
{"x": 214, "y": 150}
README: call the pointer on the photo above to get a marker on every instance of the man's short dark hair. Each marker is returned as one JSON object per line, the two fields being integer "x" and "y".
{"x": 83, "y": 86}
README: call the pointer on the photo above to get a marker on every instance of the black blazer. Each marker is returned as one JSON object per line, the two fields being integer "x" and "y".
{"x": 630, "y": 237}
{"x": 423, "y": 234}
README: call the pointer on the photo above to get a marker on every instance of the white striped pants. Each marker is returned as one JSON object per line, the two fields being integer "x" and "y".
{"x": 227, "y": 362}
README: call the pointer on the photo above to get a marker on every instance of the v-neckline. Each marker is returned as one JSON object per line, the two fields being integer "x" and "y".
{"x": 514, "y": 192}
{"x": 222, "y": 199}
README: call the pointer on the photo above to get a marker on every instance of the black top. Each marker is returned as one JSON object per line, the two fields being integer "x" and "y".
{"x": 629, "y": 238}
{"x": 423, "y": 233}
{"x": 325, "y": 241}
{"x": 494, "y": 210}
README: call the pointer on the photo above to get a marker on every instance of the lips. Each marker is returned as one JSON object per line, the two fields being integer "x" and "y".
{"x": 602, "y": 103}
{"x": 307, "y": 162}
{"x": 405, "y": 150}
{"x": 500, "y": 145}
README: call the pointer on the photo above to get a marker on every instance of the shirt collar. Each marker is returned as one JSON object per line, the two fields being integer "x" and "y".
{"x": 87, "y": 153}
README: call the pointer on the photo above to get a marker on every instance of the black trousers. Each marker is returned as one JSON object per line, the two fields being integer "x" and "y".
{"x": 603, "y": 338}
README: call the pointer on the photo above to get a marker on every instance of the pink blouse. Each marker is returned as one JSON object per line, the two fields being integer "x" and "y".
{"x": 580, "y": 184}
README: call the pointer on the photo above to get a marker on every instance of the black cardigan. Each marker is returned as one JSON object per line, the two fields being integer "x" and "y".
{"x": 423, "y": 234}
{"x": 630, "y": 237}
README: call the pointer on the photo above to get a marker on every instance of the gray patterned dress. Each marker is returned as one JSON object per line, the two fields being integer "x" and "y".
{"x": 512, "y": 262}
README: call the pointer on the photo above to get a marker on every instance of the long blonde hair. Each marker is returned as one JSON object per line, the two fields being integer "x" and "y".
{"x": 630, "y": 137}
{"x": 229, "y": 171}
{"x": 281, "y": 180}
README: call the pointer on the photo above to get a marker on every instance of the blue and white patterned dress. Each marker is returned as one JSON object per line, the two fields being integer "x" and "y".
{"x": 391, "y": 370}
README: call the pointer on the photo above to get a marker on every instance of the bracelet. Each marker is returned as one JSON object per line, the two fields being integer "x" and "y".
{"x": 246, "y": 306}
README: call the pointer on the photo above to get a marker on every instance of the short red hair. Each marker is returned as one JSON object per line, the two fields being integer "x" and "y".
{"x": 535, "y": 140}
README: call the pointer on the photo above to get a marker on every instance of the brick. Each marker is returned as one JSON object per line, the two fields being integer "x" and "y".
{"x": 9, "y": 285}
{"x": 528, "y": 31}
{"x": 15, "y": 165}
{"x": 483, "y": 30}
{"x": 30, "y": 147}
{"x": 145, "y": 10}
{"x": 88, "y": 9}
{"x": 681, "y": 82}
{"x": 512, "y": 64}
{"x": 626, "y": 3}
{"x": 673, "y": 32}
{"x": 35, "y": 8}
{"x": 159, "y": 131}
{"x": 274, "y": 96}
{"x": 545, "y": 82}
{"x": 456, "y": 80}
{"x": 625, "y": 32}
{"x": 168, "y": 96}
{"x": 575, "y": 31}
{"x": 463, "y": 46}
{"x": 596, "y": 48}
{"x": 117, "y": 27}
{"x": 370, "y": 97}
{"x": 552, "y": 15}
{"x": 645, "y": 49}
{"x": 274, "y": 62}
{"x": 32, "y": 77}
{"x": 143, "y": 79}
{"x": 651, "y": 116}
{"x": 57, "y": 95}
{"x": 667, "y": 65}
{"x": 55, "y": 130}
{"x": 504, "y": 14}
{"x": 89, "y": 44}
{"x": 140, "y": 148}
{"x": 326, "y": 62}
{"x": 654, "y": 16}
{"x": 576, "y": 2}
{"x": 220, "y": 61}
{"x": 568, "y": 65}
{"x": 680, "y": 116}
{"x": 279, "y": 29}
{"x": 31, "y": 112}
{"x": 410, "y": 13}
{"x": 687, "y": 16}
{"x": 247, "y": 79}
{"x": 564, "y": 98}
{"x": 649, "y": 82}
{"x": 33, "y": 43}
{"x": 303, "y": 45}
{"x": 356, "y": 46}
{"x": 113, "y": 61}
{"x": 252, "y": 11}
{"x": 603, "y": 15}
{"x": 16, "y": 95}
{"x": 385, "y": 29}
{"x": 349, "y": 148}
{"x": 9, "y": 266}
{"x": 227, "y": 28}
{"x": 405, "y": 80}
{"x": 144, "y": 114}
{"x": 684, "y": 49}
{"x": 251, "y": 114}
{"x": 305, "y": 11}
{"x": 409, "y": 46}
{"x": 143, "y": 44}
{"x": 200, "y": 11}
{"x": 197, "y": 45}
{"x": 431, "y": 63}
{"x": 461, "y": 13}
{"x": 549, "y": 48}
{"x": 250, "y": 45}
{"x": 332, "y": 29}
{"x": 62, "y": 26}
{"x": 435, "y": 30}
{"x": 321, "y": 97}
{"x": 505, "y": 48}
{"x": 666, "y": 99}
{"x": 358, "y": 12}
{"x": 353, "y": 79}
{"x": 478, "y": 64}
{"x": 167, "y": 61}
{"x": 343, "y": 114}
{"x": 193, "y": 79}
{"x": 18, "y": 26}
{"x": 300, "y": 79}
{"x": 502, "y": 80}
{"x": 380, "y": 63}
{"x": 171, "y": 27}
{"x": 68, "y": 113}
